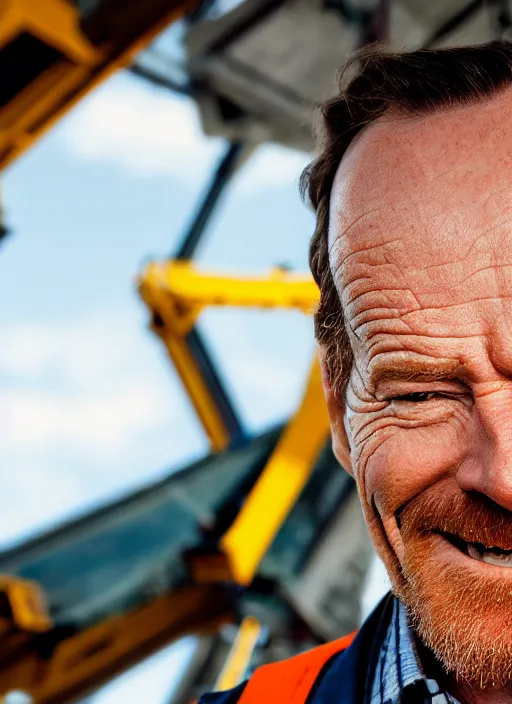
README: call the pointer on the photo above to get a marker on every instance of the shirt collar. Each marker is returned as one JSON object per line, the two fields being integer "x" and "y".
{"x": 399, "y": 676}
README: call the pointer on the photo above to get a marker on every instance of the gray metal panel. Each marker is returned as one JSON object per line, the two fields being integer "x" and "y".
{"x": 277, "y": 61}
{"x": 131, "y": 551}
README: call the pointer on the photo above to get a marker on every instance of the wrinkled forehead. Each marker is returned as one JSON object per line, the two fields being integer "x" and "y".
{"x": 427, "y": 183}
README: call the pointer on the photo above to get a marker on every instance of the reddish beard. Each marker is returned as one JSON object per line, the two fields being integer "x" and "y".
{"x": 461, "y": 614}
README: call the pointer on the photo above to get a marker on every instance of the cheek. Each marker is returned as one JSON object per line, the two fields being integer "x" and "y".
{"x": 394, "y": 464}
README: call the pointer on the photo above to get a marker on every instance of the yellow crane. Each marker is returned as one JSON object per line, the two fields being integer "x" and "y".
{"x": 53, "y": 52}
{"x": 176, "y": 292}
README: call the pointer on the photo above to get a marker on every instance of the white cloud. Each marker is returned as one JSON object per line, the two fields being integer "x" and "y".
{"x": 88, "y": 409}
{"x": 100, "y": 395}
{"x": 36, "y": 491}
{"x": 269, "y": 167}
{"x": 146, "y": 131}
{"x": 91, "y": 422}
{"x": 149, "y": 132}
{"x": 29, "y": 348}
{"x": 95, "y": 351}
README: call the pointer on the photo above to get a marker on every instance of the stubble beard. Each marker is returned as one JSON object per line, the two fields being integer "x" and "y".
{"x": 464, "y": 618}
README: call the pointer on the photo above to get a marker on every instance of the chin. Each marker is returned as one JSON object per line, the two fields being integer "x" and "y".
{"x": 460, "y": 608}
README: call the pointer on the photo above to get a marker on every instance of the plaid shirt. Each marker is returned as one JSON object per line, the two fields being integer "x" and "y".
{"x": 399, "y": 677}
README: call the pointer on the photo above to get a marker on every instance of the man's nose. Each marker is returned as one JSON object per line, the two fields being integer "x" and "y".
{"x": 488, "y": 468}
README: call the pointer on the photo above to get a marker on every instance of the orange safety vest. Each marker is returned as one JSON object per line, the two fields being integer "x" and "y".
{"x": 291, "y": 681}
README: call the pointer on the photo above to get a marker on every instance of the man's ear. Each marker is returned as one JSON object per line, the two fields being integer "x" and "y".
{"x": 336, "y": 409}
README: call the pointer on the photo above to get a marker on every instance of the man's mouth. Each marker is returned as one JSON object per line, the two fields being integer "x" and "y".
{"x": 477, "y": 551}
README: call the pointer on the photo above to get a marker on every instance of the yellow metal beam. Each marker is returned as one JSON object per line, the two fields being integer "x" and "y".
{"x": 176, "y": 292}
{"x": 240, "y": 654}
{"x": 77, "y": 66}
{"x": 280, "y": 484}
{"x": 196, "y": 388}
{"x": 27, "y": 604}
{"x": 53, "y": 21}
{"x": 187, "y": 288}
{"x": 88, "y": 659}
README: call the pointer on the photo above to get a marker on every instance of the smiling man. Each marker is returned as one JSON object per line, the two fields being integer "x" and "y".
{"x": 413, "y": 256}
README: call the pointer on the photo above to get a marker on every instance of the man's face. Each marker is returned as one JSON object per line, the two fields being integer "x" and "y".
{"x": 421, "y": 254}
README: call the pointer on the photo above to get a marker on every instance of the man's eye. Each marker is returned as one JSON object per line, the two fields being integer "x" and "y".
{"x": 418, "y": 397}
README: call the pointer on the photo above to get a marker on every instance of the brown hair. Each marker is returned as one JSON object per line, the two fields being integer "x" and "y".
{"x": 373, "y": 82}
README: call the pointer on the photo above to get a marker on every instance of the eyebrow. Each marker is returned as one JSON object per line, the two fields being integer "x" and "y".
{"x": 414, "y": 370}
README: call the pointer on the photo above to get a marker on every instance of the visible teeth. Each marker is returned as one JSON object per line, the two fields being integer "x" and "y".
{"x": 491, "y": 558}
{"x": 474, "y": 552}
